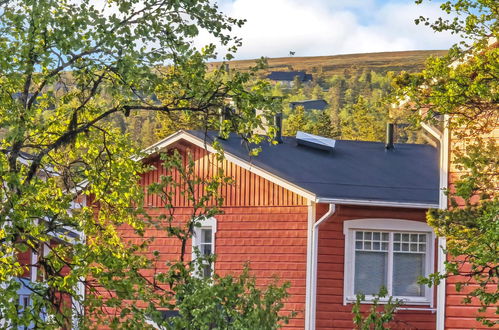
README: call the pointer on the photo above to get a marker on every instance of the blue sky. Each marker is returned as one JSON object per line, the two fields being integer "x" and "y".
{"x": 329, "y": 27}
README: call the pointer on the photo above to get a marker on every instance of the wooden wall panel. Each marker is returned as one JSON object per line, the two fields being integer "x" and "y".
{"x": 331, "y": 313}
{"x": 459, "y": 315}
{"x": 248, "y": 189}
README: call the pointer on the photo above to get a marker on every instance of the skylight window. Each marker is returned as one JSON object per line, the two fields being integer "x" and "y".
{"x": 315, "y": 141}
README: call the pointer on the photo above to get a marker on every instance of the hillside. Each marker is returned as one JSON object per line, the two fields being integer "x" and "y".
{"x": 336, "y": 64}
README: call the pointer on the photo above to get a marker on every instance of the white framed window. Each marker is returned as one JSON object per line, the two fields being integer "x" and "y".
{"x": 204, "y": 240}
{"x": 388, "y": 252}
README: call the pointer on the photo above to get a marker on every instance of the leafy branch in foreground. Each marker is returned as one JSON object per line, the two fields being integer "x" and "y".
{"x": 459, "y": 92}
{"x": 376, "y": 319}
{"x": 67, "y": 69}
{"x": 205, "y": 302}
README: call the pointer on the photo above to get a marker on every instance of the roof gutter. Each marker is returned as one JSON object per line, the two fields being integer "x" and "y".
{"x": 375, "y": 203}
{"x": 312, "y": 266}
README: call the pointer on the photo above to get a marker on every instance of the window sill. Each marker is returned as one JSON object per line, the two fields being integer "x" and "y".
{"x": 406, "y": 301}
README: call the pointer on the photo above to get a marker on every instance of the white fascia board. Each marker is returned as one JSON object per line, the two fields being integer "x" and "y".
{"x": 375, "y": 203}
{"x": 182, "y": 135}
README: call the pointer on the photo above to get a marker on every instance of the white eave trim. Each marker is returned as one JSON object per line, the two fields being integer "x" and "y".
{"x": 375, "y": 203}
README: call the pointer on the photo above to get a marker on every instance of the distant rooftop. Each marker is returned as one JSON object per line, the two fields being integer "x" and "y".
{"x": 310, "y": 104}
{"x": 289, "y": 76}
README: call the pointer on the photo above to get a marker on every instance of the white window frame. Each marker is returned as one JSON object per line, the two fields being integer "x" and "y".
{"x": 207, "y": 223}
{"x": 390, "y": 225}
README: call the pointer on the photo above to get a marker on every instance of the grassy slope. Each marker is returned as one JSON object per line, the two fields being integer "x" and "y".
{"x": 330, "y": 65}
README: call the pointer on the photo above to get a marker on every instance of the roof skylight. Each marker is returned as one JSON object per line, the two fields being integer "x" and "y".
{"x": 315, "y": 141}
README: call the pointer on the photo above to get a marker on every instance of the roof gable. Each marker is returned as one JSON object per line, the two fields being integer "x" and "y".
{"x": 355, "y": 172}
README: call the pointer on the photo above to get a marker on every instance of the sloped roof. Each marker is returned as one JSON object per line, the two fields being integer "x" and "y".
{"x": 355, "y": 170}
{"x": 289, "y": 76}
{"x": 310, "y": 104}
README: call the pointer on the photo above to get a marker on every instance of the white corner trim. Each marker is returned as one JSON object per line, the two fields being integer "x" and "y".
{"x": 182, "y": 135}
{"x": 386, "y": 225}
{"x": 443, "y": 138}
{"x": 443, "y": 202}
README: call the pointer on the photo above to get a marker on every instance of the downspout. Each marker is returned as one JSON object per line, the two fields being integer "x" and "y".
{"x": 443, "y": 139}
{"x": 313, "y": 266}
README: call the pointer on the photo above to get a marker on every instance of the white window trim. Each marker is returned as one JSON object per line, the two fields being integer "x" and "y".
{"x": 393, "y": 225}
{"x": 207, "y": 223}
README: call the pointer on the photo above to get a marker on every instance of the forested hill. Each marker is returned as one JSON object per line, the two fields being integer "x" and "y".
{"x": 355, "y": 88}
{"x": 336, "y": 64}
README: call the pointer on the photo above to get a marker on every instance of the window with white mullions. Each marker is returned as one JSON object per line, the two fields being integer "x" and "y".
{"x": 206, "y": 248}
{"x": 204, "y": 240}
{"x": 382, "y": 252}
{"x": 371, "y": 261}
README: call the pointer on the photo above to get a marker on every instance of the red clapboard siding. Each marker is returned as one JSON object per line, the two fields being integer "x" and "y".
{"x": 331, "y": 313}
{"x": 263, "y": 224}
{"x": 248, "y": 188}
{"x": 459, "y": 315}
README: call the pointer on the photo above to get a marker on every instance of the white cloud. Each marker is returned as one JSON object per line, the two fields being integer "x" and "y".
{"x": 327, "y": 27}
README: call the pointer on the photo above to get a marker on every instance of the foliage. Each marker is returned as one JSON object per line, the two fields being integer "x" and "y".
{"x": 229, "y": 302}
{"x": 357, "y": 107}
{"x": 69, "y": 72}
{"x": 376, "y": 319}
{"x": 362, "y": 121}
{"x": 471, "y": 227}
{"x": 462, "y": 88}
{"x": 297, "y": 121}
{"x": 343, "y": 92}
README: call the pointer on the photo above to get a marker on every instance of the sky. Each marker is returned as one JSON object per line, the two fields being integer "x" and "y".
{"x": 330, "y": 27}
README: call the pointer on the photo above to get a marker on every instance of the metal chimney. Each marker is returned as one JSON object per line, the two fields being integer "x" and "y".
{"x": 389, "y": 136}
{"x": 278, "y": 125}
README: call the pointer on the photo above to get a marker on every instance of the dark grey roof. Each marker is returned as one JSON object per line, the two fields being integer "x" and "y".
{"x": 289, "y": 76}
{"x": 355, "y": 170}
{"x": 310, "y": 104}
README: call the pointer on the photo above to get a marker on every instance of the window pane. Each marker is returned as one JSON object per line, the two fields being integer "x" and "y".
{"x": 205, "y": 249}
{"x": 206, "y": 235}
{"x": 206, "y": 271}
{"x": 407, "y": 267}
{"x": 370, "y": 272}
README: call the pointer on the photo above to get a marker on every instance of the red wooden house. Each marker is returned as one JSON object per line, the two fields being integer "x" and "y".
{"x": 334, "y": 218}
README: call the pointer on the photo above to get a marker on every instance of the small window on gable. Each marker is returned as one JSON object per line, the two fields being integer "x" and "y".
{"x": 389, "y": 253}
{"x": 204, "y": 240}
